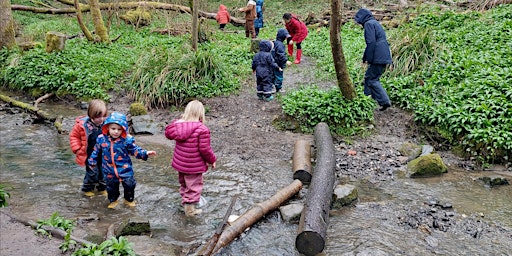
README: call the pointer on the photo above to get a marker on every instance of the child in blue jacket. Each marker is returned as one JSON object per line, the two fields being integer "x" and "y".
{"x": 279, "y": 54}
{"x": 263, "y": 66}
{"x": 116, "y": 146}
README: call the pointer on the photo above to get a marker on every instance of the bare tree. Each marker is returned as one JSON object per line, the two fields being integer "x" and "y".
{"x": 6, "y": 25}
{"x": 97, "y": 19}
{"x": 340, "y": 65}
{"x": 194, "y": 6}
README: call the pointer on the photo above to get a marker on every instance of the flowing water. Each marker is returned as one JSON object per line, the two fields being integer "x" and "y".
{"x": 37, "y": 163}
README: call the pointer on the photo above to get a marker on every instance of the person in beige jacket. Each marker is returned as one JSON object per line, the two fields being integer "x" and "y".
{"x": 250, "y": 15}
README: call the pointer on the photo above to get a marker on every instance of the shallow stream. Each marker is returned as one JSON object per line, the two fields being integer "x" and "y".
{"x": 37, "y": 163}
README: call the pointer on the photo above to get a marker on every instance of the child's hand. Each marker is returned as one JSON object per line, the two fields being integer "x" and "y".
{"x": 291, "y": 42}
{"x": 280, "y": 69}
{"x": 151, "y": 153}
{"x": 213, "y": 165}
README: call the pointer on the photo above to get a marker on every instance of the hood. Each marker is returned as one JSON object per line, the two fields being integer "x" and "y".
{"x": 259, "y": 2}
{"x": 363, "y": 15}
{"x": 181, "y": 130}
{"x": 116, "y": 118}
{"x": 265, "y": 46}
{"x": 222, "y": 8}
{"x": 251, "y": 2}
{"x": 282, "y": 34}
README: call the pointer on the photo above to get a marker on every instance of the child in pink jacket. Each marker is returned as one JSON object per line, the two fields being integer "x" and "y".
{"x": 192, "y": 154}
{"x": 223, "y": 17}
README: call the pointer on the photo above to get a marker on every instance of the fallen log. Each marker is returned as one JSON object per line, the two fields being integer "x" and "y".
{"x": 301, "y": 161}
{"x": 57, "y": 121}
{"x": 255, "y": 213}
{"x": 124, "y": 5}
{"x": 59, "y": 233}
{"x": 315, "y": 216}
{"x": 208, "y": 247}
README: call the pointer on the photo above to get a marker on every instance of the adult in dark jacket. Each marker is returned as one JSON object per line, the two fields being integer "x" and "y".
{"x": 279, "y": 54}
{"x": 258, "y": 22}
{"x": 377, "y": 55}
{"x": 263, "y": 66}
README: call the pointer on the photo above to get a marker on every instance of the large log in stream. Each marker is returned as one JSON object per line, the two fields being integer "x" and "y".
{"x": 301, "y": 161}
{"x": 315, "y": 216}
{"x": 255, "y": 213}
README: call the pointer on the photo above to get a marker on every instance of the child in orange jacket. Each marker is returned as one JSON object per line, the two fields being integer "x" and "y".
{"x": 222, "y": 17}
{"x": 82, "y": 139}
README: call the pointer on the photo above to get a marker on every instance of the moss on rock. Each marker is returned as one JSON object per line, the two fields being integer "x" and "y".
{"x": 427, "y": 166}
{"x": 138, "y": 109}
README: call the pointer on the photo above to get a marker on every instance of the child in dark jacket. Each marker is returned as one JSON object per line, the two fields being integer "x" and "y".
{"x": 192, "y": 154}
{"x": 263, "y": 66}
{"x": 82, "y": 139}
{"x": 117, "y": 146}
{"x": 279, "y": 54}
{"x": 222, "y": 17}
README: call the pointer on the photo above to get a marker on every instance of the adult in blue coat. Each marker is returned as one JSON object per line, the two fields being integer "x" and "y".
{"x": 258, "y": 22}
{"x": 377, "y": 55}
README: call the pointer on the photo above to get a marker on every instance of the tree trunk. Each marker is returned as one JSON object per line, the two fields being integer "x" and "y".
{"x": 195, "y": 28}
{"x": 340, "y": 65}
{"x": 301, "y": 161}
{"x": 315, "y": 216}
{"x": 7, "y": 35}
{"x": 97, "y": 19}
{"x": 255, "y": 213}
{"x": 84, "y": 28}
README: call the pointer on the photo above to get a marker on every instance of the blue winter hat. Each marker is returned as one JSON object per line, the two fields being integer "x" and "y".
{"x": 116, "y": 118}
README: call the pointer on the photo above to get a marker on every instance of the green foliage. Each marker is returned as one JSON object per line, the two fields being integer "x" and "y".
{"x": 54, "y": 221}
{"x": 310, "y": 105}
{"x": 465, "y": 92}
{"x": 113, "y": 246}
{"x": 3, "y": 196}
{"x": 165, "y": 77}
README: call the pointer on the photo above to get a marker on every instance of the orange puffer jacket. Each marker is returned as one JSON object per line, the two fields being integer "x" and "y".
{"x": 78, "y": 138}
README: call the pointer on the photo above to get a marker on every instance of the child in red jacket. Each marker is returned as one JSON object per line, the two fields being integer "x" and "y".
{"x": 192, "y": 154}
{"x": 298, "y": 32}
{"x": 222, "y": 17}
{"x": 82, "y": 139}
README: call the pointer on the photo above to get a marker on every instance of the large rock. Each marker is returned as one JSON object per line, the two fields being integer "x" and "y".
{"x": 144, "y": 124}
{"x": 427, "y": 166}
{"x": 291, "y": 212}
{"x": 134, "y": 226}
{"x": 343, "y": 195}
{"x": 494, "y": 180}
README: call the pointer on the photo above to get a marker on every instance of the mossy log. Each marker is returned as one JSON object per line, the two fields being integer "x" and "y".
{"x": 301, "y": 161}
{"x": 41, "y": 114}
{"x": 315, "y": 217}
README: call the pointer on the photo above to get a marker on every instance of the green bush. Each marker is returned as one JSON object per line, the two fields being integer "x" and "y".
{"x": 113, "y": 246}
{"x": 3, "y": 196}
{"x": 310, "y": 106}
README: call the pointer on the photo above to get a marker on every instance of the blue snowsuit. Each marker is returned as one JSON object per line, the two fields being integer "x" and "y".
{"x": 279, "y": 54}
{"x": 376, "y": 54}
{"x": 258, "y": 22}
{"x": 116, "y": 163}
{"x": 263, "y": 64}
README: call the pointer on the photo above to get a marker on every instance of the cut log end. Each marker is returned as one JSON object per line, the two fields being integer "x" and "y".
{"x": 303, "y": 176}
{"x": 309, "y": 243}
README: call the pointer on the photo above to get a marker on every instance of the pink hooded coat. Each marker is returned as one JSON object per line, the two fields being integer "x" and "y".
{"x": 223, "y": 16}
{"x": 193, "y": 151}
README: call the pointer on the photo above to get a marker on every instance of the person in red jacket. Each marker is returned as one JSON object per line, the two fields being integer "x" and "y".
{"x": 82, "y": 139}
{"x": 222, "y": 17}
{"x": 298, "y": 32}
{"x": 192, "y": 154}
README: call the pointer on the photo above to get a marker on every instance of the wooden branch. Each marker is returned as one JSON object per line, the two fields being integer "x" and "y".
{"x": 44, "y": 97}
{"x": 301, "y": 161}
{"x": 59, "y": 233}
{"x": 210, "y": 245}
{"x": 255, "y": 213}
{"x": 315, "y": 216}
{"x": 124, "y": 5}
